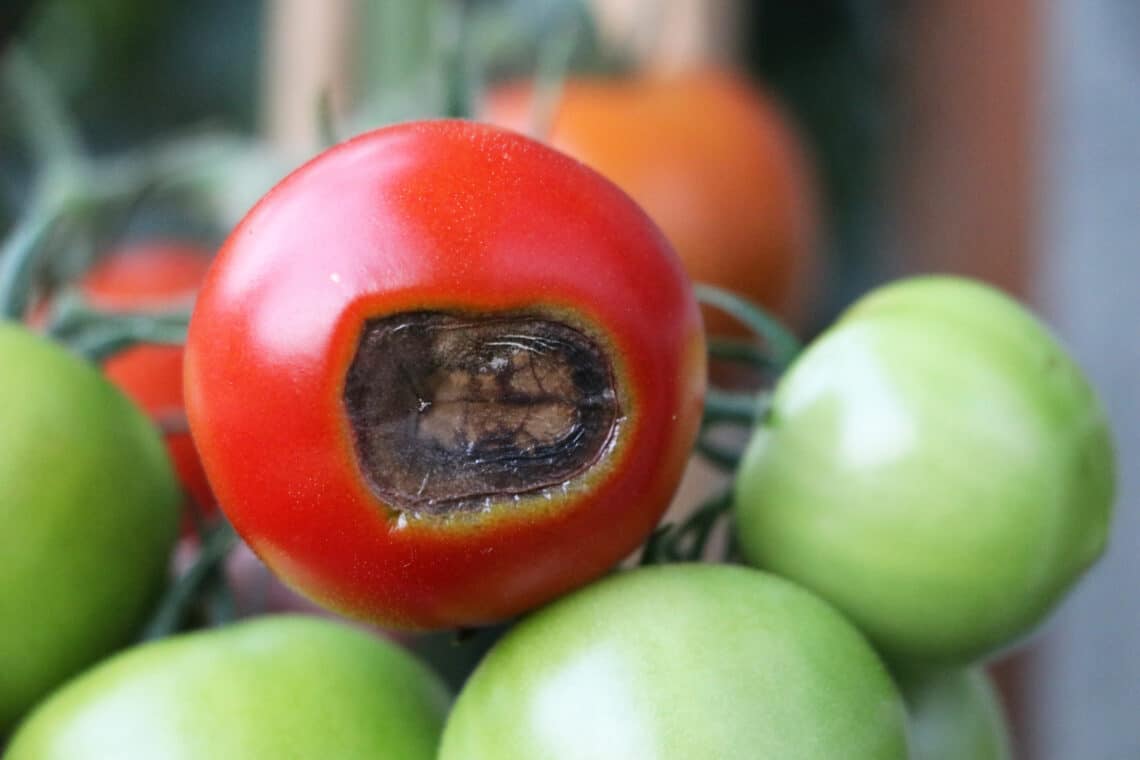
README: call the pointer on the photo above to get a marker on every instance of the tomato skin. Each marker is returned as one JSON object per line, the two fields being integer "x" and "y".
{"x": 680, "y": 661}
{"x": 936, "y": 467}
{"x": 153, "y": 275}
{"x": 955, "y": 714}
{"x": 713, "y": 160}
{"x": 152, "y": 377}
{"x": 156, "y": 275}
{"x": 432, "y": 215}
{"x": 89, "y": 508}
{"x": 282, "y": 686}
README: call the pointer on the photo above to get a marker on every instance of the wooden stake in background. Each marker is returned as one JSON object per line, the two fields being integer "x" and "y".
{"x": 307, "y": 58}
{"x": 672, "y": 35}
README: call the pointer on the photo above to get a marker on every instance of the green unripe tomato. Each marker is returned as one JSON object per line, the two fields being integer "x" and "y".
{"x": 680, "y": 662}
{"x": 934, "y": 465}
{"x": 955, "y": 715}
{"x": 89, "y": 513}
{"x": 267, "y": 689}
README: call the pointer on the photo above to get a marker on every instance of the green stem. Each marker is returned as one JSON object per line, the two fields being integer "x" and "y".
{"x": 119, "y": 332}
{"x": 65, "y": 198}
{"x": 96, "y": 335}
{"x": 721, "y": 456}
{"x": 19, "y": 255}
{"x": 43, "y": 119}
{"x": 71, "y": 188}
{"x": 262, "y": 585}
{"x": 783, "y": 347}
{"x": 196, "y": 511}
{"x": 326, "y": 119}
{"x": 175, "y": 604}
{"x": 699, "y": 526}
{"x": 550, "y": 75}
{"x": 58, "y": 155}
{"x": 686, "y": 541}
{"x": 739, "y": 352}
{"x": 459, "y": 95}
{"x": 653, "y": 552}
{"x": 727, "y": 407}
{"x": 733, "y": 406}
{"x": 221, "y": 608}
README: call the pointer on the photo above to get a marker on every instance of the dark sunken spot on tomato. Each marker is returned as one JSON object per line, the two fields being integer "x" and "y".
{"x": 452, "y": 412}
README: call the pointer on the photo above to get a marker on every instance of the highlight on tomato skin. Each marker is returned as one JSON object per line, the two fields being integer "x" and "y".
{"x": 270, "y": 687}
{"x": 715, "y": 162}
{"x": 610, "y": 671}
{"x": 937, "y": 467}
{"x": 443, "y": 374}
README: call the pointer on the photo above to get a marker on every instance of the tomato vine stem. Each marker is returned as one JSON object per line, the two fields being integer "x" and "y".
{"x": 18, "y": 257}
{"x": 733, "y": 406}
{"x": 724, "y": 457}
{"x": 73, "y": 192}
{"x": 326, "y": 120}
{"x": 740, "y": 352}
{"x": 686, "y": 541}
{"x": 781, "y": 345}
{"x": 459, "y": 63}
{"x": 217, "y": 542}
{"x": 97, "y": 335}
{"x": 64, "y": 206}
{"x": 43, "y": 120}
{"x": 550, "y": 76}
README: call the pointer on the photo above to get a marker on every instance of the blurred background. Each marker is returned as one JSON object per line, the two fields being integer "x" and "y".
{"x": 848, "y": 142}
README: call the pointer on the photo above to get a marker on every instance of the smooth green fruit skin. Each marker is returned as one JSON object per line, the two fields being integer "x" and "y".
{"x": 955, "y": 715}
{"x": 935, "y": 466}
{"x": 89, "y": 514}
{"x": 675, "y": 663}
{"x": 273, "y": 688}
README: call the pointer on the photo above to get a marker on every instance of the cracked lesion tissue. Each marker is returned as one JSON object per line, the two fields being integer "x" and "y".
{"x": 450, "y": 410}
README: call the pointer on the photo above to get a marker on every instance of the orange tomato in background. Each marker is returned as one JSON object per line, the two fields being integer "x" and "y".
{"x": 713, "y": 160}
{"x": 154, "y": 276}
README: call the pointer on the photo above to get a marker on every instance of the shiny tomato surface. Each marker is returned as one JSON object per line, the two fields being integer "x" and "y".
{"x": 456, "y": 234}
{"x": 157, "y": 276}
{"x": 280, "y": 686}
{"x": 89, "y": 509}
{"x": 716, "y": 163}
{"x": 680, "y": 662}
{"x": 936, "y": 466}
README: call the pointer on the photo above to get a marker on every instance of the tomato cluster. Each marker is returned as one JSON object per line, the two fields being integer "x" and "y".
{"x": 156, "y": 275}
{"x": 443, "y": 376}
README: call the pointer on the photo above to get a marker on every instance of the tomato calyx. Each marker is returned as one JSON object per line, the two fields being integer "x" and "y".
{"x": 452, "y": 412}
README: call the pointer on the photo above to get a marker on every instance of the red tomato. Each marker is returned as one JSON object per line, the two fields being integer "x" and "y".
{"x": 154, "y": 276}
{"x": 713, "y": 160}
{"x": 443, "y": 374}
{"x": 149, "y": 276}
